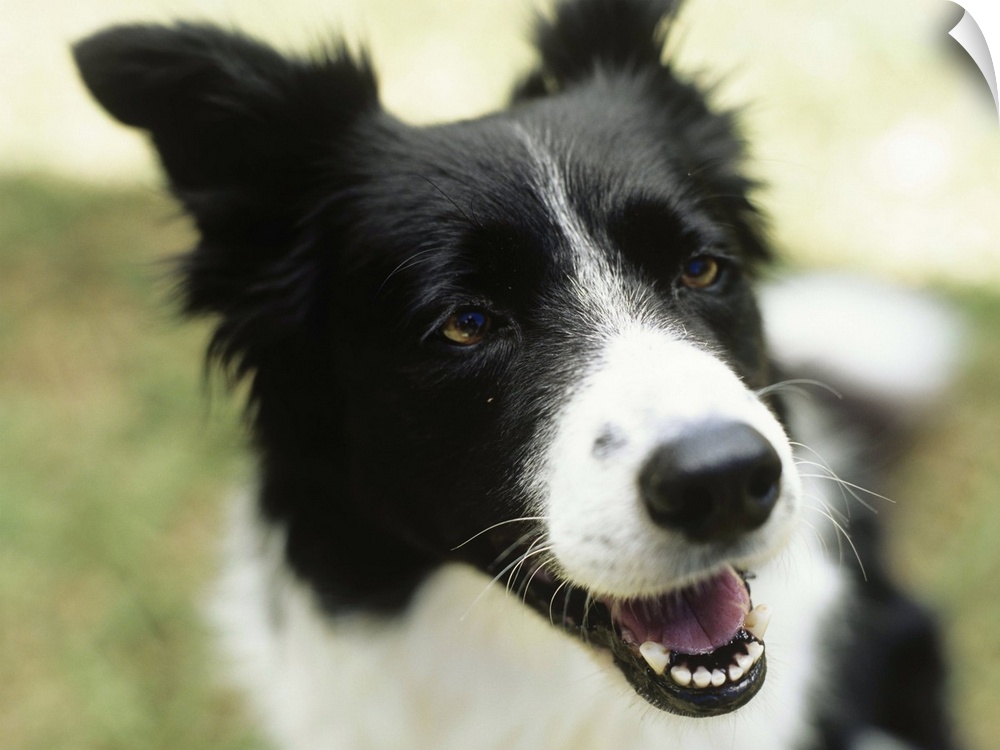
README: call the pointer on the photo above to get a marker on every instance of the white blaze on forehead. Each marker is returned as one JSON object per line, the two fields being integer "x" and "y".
{"x": 596, "y": 281}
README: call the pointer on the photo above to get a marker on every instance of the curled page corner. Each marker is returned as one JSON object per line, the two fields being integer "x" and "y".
{"x": 969, "y": 33}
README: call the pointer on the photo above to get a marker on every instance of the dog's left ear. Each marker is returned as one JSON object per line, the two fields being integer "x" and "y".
{"x": 586, "y": 36}
{"x": 250, "y": 140}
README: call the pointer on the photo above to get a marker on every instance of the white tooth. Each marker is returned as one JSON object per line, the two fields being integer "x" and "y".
{"x": 744, "y": 661}
{"x": 735, "y": 673}
{"x": 681, "y": 675}
{"x": 656, "y": 655}
{"x": 756, "y": 650}
{"x": 757, "y": 619}
{"x": 718, "y": 678}
{"x": 702, "y": 678}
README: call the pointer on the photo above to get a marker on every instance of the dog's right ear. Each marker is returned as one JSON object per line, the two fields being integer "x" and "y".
{"x": 585, "y": 36}
{"x": 250, "y": 140}
{"x": 228, "y": 115}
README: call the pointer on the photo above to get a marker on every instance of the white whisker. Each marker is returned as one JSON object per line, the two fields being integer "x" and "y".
{"x": 411, "y": 261}
{"x": 497, "y": 525}
{"x": 817, "y": 533}
{"x": 843, "y": 533}
{"x": 552, "y": 601}
{"x": 846, "y": 488}
{"x": 540, "y": 566}
{"x": 529, "y": 553}
{"x": 852, "y": 486}
{"x": 503, "y": 572}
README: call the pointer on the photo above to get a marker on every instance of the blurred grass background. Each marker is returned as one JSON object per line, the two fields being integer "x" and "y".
{"x": 882, "y": 150}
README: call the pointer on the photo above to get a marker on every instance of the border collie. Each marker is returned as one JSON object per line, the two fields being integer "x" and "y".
{"x": 526, "y": 477}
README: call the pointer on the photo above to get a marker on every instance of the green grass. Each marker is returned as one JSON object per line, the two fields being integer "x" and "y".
{"x": 114, "y": 466}
{"x": 112, "y": 469}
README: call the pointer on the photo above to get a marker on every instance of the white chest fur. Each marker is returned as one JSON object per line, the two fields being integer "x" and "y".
{"x": 468, "y": 666}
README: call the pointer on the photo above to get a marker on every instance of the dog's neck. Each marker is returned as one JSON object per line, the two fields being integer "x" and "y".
{"x": 466, "y": 664}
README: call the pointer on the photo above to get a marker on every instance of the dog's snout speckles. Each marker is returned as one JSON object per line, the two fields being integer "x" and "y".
{"x": 609, "y": 441}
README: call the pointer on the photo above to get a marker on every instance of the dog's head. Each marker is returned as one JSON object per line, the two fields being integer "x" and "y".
{"x": 527, "y": 342}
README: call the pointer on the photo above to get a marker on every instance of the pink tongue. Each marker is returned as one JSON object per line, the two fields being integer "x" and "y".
{"x": 695, "y": 620}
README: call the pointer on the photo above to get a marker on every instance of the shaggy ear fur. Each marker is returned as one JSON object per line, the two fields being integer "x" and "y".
{"x": 590, "y": 35}
{"x": 248, "y": 138}
{"x": 227, "y": 114}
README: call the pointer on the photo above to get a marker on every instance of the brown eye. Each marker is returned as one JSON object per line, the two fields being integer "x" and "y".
{"x": 700, "y": 272}
{"x": 467, "y": 327}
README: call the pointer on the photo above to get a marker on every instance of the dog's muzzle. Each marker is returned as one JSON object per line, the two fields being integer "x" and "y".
{"x": 699, "y": 650}
{"x": 667, "y": 480}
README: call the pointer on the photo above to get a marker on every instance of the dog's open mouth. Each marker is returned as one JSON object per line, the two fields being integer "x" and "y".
{"x": 695, "y": 651}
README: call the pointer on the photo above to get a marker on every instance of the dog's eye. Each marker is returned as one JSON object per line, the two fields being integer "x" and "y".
{"x": 467, "y": 327}
{"x": 700, "y": 272}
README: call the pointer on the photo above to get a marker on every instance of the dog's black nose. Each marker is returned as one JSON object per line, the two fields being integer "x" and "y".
{"x": 713, "y": 482}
